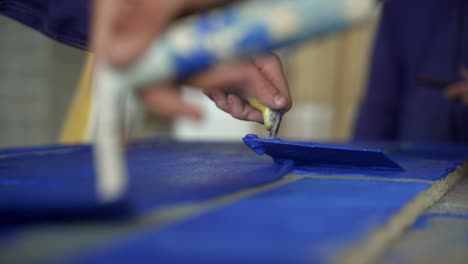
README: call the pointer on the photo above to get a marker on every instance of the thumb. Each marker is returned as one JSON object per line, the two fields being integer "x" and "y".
{"x": 271, "y": 69}
{"x": 264, "y": 91}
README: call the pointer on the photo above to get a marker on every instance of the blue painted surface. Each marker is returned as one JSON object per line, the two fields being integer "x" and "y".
{"x": 415, "y": 168}
{"x": 423, "y": 221}
{"x": 309, "y": 220}
{"x": 61, "y": 185}
{"x": 304, "y": 222}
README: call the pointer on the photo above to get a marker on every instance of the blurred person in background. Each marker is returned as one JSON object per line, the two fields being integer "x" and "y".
{"x": 418, "y": 85}
{"x": 121, "y": 31}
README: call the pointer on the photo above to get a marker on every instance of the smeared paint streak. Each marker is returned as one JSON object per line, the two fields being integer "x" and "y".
{"x": 321, "y": 155}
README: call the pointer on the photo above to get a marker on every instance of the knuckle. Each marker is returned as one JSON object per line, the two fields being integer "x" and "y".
{"x": 220, "y": 104}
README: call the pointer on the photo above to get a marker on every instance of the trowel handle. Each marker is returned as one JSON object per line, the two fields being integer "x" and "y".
{"x": 240, "y": 30}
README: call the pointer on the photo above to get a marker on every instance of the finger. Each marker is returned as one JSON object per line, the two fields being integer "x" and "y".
{"x": 254, "y": 115}
{"x": 259, "y": 87}
{"x": 221, "y": 76}
{"x": 241, "y": 78}
{"x": 219, "y": 98}
{"x": 271, "y": 68}
{"x": 246, "y": 80}
{"x": 165, "y": 101}
{"x": 136, "y": 26}
{"x": 457, "y": 90}
{"x": 240, "y": 110}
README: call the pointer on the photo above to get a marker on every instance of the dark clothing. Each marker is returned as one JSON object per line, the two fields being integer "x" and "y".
{"x": 416, "y": 38}
{"x": 64, "y": 20}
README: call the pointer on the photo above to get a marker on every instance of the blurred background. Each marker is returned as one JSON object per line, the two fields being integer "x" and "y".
{"x": 39, "y": 81}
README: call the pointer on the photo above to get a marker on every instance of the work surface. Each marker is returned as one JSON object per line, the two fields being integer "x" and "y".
{"x": 220, "y": 202}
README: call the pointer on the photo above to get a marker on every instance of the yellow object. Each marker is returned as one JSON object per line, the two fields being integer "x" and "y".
{"x": 269, "y": 116}
{"x": 76, "y": 125}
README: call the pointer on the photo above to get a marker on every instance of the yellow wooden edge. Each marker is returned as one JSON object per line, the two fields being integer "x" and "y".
{"x": 75, "y": 128}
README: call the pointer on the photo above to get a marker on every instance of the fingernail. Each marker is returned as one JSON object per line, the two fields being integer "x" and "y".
{"x": 279, "y": 100}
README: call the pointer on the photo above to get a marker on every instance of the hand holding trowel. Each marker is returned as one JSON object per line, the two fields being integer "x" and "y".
{"x": 196, "y": 43}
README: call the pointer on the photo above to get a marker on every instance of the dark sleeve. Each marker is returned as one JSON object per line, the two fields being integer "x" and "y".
{"x": 378, "y": 116}
{"x": 66, "y": 21}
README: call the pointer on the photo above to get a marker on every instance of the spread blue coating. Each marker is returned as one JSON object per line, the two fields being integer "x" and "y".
{"x": 58, "y": 185}
{"x": 307, "y": 221}
{"x": 310, "y": 220}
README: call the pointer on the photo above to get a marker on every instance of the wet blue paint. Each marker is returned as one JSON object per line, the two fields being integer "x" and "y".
{"x": 61, "y": 185}
{"x": 415, "y": 168}
{"x": 308, "y": 221}
{"x": 321, "y": 155}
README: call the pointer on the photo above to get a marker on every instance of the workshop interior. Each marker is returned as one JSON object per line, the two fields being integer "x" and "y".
{"x": 370, "y": 164}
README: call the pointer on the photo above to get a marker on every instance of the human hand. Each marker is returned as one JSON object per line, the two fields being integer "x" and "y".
{"x": 229, "y": 86}
{"x": 459, "y": 90}
{"x": 124, "y": 29}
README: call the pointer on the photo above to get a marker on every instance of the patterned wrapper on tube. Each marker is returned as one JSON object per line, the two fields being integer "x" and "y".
{"x": 242, "y": 30}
